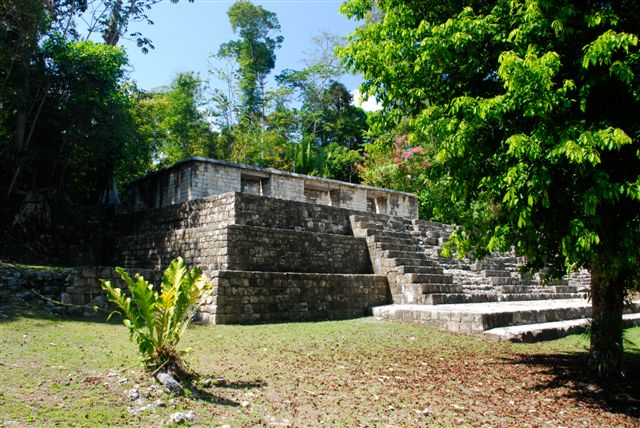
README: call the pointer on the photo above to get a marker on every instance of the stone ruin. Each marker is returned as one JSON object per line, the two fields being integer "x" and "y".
{"x": 280, "y": 246}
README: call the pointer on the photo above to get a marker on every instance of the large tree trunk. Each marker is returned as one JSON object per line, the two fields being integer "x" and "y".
{"x": 607, "y": 299}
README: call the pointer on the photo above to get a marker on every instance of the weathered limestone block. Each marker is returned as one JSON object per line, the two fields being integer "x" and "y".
{"x": 247, "y": 297}
{"x": 263, "y": 249}
{"x": 196, "y": 178}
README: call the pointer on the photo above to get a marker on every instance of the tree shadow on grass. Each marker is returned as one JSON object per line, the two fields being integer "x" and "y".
{"x": 241, "y": 384}
{"x": 570, "y": 371}
{"x": 204, "y": 391}
{"x": 10, "y": 312}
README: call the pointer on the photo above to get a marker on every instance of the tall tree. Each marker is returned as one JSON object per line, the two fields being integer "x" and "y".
{"x": 27, "y": 84}
{"x": 22, "y": 25}
{"x": 174, "y": 123}
{"x": 531, "y": 107}
{"x": 84, "y": 122}
{"x": 111, "y": 19}
{"x": 330, "y": 129}
{"x": 254, "y": 52}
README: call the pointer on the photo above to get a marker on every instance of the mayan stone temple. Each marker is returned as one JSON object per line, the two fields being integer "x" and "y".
{"x": 286, "y": 247}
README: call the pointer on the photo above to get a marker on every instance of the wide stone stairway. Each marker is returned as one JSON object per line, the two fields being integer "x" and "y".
{"x": 490, "y": 297}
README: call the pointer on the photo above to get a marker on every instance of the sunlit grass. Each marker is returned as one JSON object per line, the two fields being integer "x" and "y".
{"x": 345, "y": 373}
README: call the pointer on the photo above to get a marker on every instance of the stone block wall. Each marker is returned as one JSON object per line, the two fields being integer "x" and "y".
{"x": 28, "y": 284}
{"x": 262, "y": 249}
{"x": 85, "y": 284}
{"x": 243, "y": 232}
{"x": 196, "y": 178}
{"x": 252, "y": 210}
{"x": 270, "y": 259}
{"x": 195, "y": 230}
{"x": 251, "y": 297}
{"x": 215, "y": 179}
{"x": 285, "y": 187}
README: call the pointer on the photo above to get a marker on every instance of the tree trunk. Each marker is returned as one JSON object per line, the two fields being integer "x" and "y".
{"x": 607, "y": 300}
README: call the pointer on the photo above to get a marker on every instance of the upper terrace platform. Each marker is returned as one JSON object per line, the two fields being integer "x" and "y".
{"x": 196, "y": 177}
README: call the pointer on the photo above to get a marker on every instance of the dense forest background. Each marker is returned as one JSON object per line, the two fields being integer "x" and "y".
{"x": 74, "y": 127}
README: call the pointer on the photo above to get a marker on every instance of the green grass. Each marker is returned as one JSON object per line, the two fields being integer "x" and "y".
{"x": 345, "y": 373}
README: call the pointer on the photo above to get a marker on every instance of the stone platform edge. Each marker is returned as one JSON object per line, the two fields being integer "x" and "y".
{"x": 247, "y": 297}
{"x": 244, "y": 297}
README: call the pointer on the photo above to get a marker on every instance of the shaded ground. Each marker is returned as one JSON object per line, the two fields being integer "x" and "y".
{"x": 348, "y": 373}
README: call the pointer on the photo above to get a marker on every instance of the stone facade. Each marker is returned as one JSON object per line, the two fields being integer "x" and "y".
{"x": 195, "y": 230}
{"x": 286, "y": 247}
{"x": 196, "y": 178}
{"x": 270, "y": 259}
{"x": 253, "y": 248}
{"x": 250, "y": 297}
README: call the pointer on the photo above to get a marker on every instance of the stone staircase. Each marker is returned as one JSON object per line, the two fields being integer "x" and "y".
{"x": 489, "y": 296}
{"x": 414, "y": 278}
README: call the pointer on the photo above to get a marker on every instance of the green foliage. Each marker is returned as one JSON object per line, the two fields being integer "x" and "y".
{"x": 173, "y": 124}
{"x": 155, "y": 320}
{"x": 254, "y": 52}
{"x": 66, "y": 126}
{"x": 531, "y": 107}
{"x": 529, "y": 113}
{"x": 306, "y": 124}
{"x": 86, "y": 116}
{"x": 68, "y": 131}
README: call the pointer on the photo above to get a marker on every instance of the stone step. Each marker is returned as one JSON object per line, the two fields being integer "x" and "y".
{"x": 428, "y": 288}
{"x": 478, "y": 317}
{"x": 390, "y": 234}
{"x": 396, "y": 254}
{"x": 457, "y": 298}
{"x": 461, "y": 298}
{"x": 419, "y": 293}
{"x": 379, "y": 239}
{"x": 535, "y": 315}
{"x": 529, "y": 333}
{"x": 413, "y": 262}
{"x": 487, "y": 264}
{"x": 378, "y": 229}
{"x": 478, "y": 288}
{"x": 502, "y": 280}
{"x": 427, "y": 226}
{"x": 437, "y": 270}
{"x": 428, "y": 233}
{"x": 367, "y": 222}
{"x": 428, "y": 242}
{"x": 495, "y": 273}
{"x": 379, "y": 220}
{"x": 387, "y": 246}
{"x": 518, "y": 289}
{"x": 427, "y": 278}
{"x": 563, "y": 288}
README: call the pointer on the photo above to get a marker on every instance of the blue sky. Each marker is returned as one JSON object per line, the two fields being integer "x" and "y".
{"x": 185, "y": 34}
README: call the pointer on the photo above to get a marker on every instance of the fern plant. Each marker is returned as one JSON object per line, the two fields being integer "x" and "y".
{"x": 157, "y": 320}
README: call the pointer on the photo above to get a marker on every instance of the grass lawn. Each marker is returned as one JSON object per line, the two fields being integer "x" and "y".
{"x": 57, "y": 372}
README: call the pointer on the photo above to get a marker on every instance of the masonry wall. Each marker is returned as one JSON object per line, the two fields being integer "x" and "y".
{"x": 85, "y": 286}
{"x": 240, "y": 231}
{"x": 262, "y": 249}
{"x": 251, "y": 210}
{"x": 251, "y": 297}
{"x": 270, "y": 259}
{"x": 196, "y": 178}
{"x": 195, "y": 230}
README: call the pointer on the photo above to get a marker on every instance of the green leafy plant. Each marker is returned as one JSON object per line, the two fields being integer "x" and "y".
{"x": 157, "y": 320}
